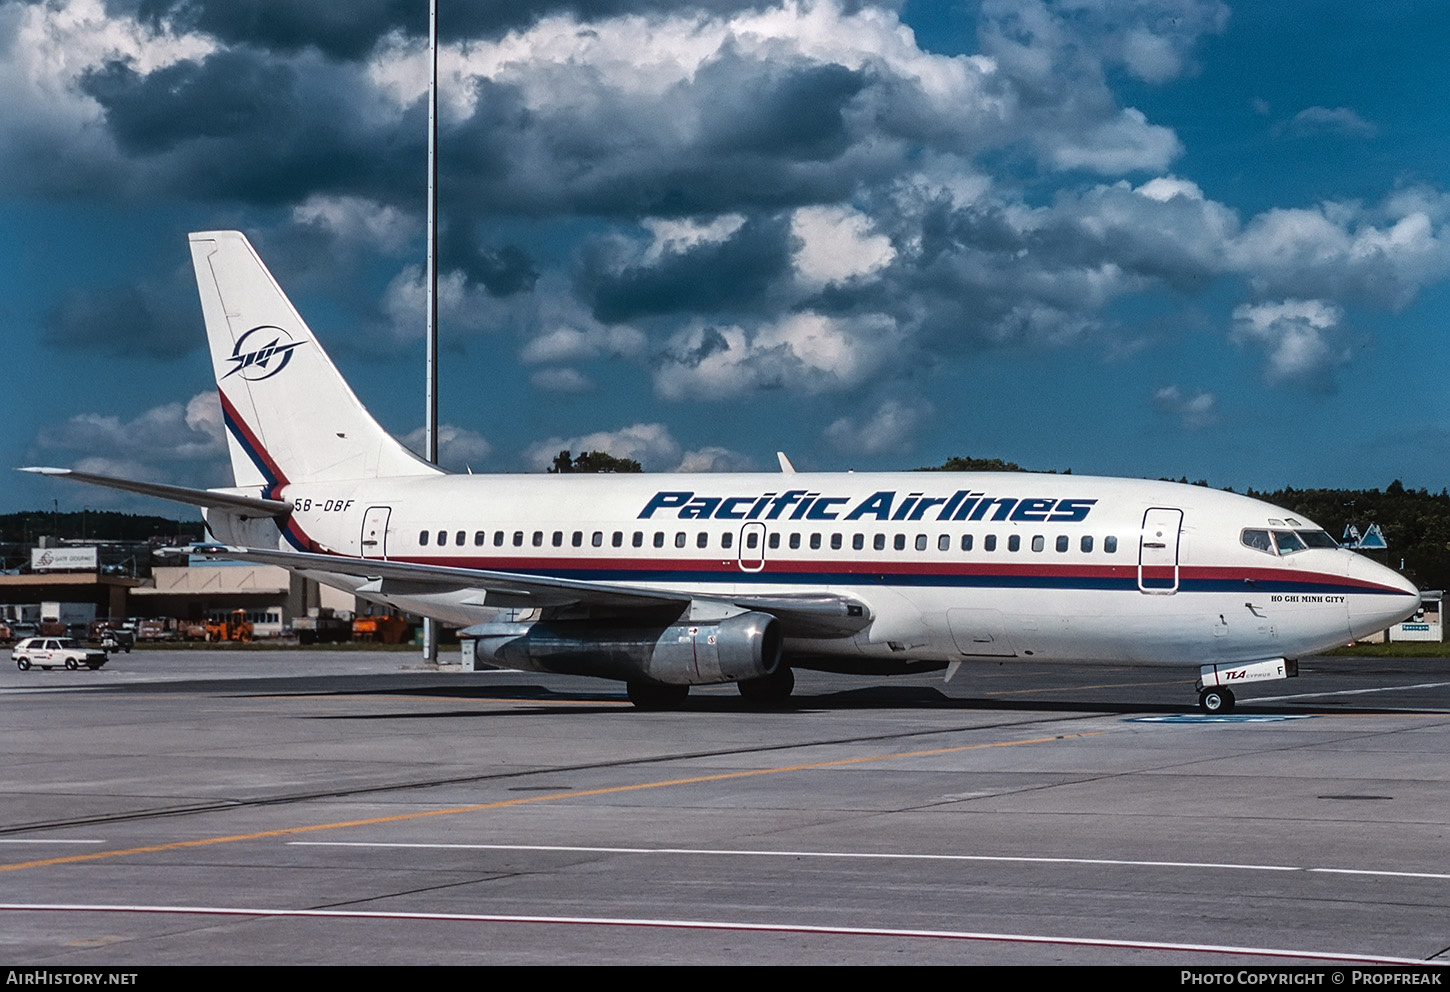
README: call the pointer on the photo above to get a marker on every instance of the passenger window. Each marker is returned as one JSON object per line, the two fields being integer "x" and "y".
{"x": 1087, "y": 543}
{"x": 944, "y": 543}
{"x": 498, "y": 539}
{"x": 659, "y": 539}
{"x": 558, "y": 538}
{"x": 835, "y": 542}
{"x": 679, "y": 539}
{"x": 1110, "y": 545}
{"x": 858, "y": 541}
{"x": 989, "y": 543}
{"x": 538, "y": 539}
{"x": 1062, "y": 542}
{"x": 478, "y": 539}
{"x": 727, "y": 539}
{"x": 442, "y": 538}
{"x": 577, "y": 539}
{"x": 638, "y": 539}
{"x": 597, "y": 539}
{"x": 773, "y": 540}
{"x": 921, "y": 542}
{"x": 899, "y": 542}
{"x": 966, "y": 542}
{"x": 795, "y": 541}
{"x": 518, "y": 539}
{"x": 879, "y": 542}
{"x": 702, "y": 540}
{"x": 618, "y": 539}
{"x": 423, "y": 538}
{"x": 1038, "y": 542}
{"x": 1014, "y": 542}
{"x": 751, "y": 540}
{"x": 815, "y": 542}
{"x": 459, "y": 538}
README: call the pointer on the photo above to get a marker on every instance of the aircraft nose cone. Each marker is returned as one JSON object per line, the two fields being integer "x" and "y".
{"x": 1380, "y": 597}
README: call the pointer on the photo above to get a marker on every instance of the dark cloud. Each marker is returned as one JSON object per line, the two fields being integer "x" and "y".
{"x": 351, "y": 30}
{"x": 245, "y": 125}
{"x": 713, "y": 276}
{"x": 501, "y": 271}
{"x": 126, "y": 321}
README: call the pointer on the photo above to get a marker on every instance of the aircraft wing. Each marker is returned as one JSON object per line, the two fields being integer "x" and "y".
{"x": 802, "y": 615}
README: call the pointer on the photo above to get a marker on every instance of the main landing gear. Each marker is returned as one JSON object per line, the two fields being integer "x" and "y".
{"x": 769, "y": 690}
{"x": 656, "y": 695}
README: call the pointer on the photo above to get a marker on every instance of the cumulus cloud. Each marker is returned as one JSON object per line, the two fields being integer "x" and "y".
{"x": 459, "y": 448}
{"x": 1193, "y": 411}
{"x": 1297, "y": 337}
{"x": 177, "y": 442}
{"x": 835, "y": 244}
{"x": 808, "y": 352}
{"x": 890, "y": 429}
{"x": 652, "y": 445}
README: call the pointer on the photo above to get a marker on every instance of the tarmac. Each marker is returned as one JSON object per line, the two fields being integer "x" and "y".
{"x": 320, "y": 807}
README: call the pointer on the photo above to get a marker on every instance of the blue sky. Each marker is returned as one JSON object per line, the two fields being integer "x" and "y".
{"x": 1127, "y": 237}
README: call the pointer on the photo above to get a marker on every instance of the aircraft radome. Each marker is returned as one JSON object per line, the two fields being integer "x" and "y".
{"x": 668, "y": 581}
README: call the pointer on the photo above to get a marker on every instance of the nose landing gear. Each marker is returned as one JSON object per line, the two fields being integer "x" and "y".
{"x": 1216, "y": 700}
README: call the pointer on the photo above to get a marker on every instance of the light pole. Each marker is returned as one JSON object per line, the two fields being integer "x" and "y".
{"x": 430, "y": 411}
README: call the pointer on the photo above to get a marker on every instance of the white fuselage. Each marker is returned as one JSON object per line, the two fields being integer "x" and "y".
{"x": 952, "y": 566}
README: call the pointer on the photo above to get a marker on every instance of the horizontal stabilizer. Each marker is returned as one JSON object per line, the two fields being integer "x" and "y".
{"x": 253, "y": 505}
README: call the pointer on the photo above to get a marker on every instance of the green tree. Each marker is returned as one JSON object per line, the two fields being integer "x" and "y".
{"x": 593, "y": 461}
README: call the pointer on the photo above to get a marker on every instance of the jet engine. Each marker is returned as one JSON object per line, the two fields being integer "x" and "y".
{"x": 745, "y": 646}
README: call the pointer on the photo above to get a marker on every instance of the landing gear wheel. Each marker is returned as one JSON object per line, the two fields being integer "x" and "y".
{"x": 23, "y": 664}
{"x": 653, "y": 696}
{"x": 1216, "y": 700}
{"x": 72, "y": 664}
{"x": 769, "y": 690}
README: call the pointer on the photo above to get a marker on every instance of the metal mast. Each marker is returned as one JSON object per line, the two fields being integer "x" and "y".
{"x": 430, "y": 411}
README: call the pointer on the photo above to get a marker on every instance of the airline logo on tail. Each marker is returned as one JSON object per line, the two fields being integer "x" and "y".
{"x": 262, "y": 356}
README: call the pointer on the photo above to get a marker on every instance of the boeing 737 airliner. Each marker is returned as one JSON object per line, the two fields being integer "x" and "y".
{"x": 668, "y": 581}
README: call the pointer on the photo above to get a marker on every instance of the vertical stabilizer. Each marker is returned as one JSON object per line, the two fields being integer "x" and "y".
{"x": 290, "y": 416}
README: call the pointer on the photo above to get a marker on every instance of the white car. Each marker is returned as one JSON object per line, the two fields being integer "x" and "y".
{"x": 50, "y": 652}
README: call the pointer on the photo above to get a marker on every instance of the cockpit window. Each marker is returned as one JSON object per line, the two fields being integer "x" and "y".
{"x": 1258, "y": 540}
{"x": 1288, "y": 542}
{"x": 1317, "y": 539}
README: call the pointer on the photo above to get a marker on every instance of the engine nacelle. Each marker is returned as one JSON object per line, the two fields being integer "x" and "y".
{"x": 746, "y": 646}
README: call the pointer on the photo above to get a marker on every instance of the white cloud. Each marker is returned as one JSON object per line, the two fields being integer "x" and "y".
{"x": 891, "y": 428}
{"x": 715, "y": 459}
{"x": 1193, "y": 411}
{"x": 652, "y": 445}
{"x": 179, "y": 442}
{"x": 561, "y": 380}
{"x": 1330, "y": 120}
{"x": 459, "y": 448}
{"x": 359, "y": 220}
{"x": 1297, "y": 337}
{"x": 572, "y": 344}
{"x": 1125, "y": 143}
{"x": 809, "y": 352}
{"x": 836, "y": 244}
{"x": 677, "y": 236}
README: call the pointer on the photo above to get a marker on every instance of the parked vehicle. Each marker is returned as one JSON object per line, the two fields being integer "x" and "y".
{"x": 55, "y": 652}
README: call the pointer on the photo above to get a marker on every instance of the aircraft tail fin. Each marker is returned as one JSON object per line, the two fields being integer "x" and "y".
{"x": 290, "y": 416}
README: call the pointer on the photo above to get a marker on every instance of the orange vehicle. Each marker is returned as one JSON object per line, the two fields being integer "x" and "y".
{"x": 235, "y": 627}
{"x": 384, "y": 629}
